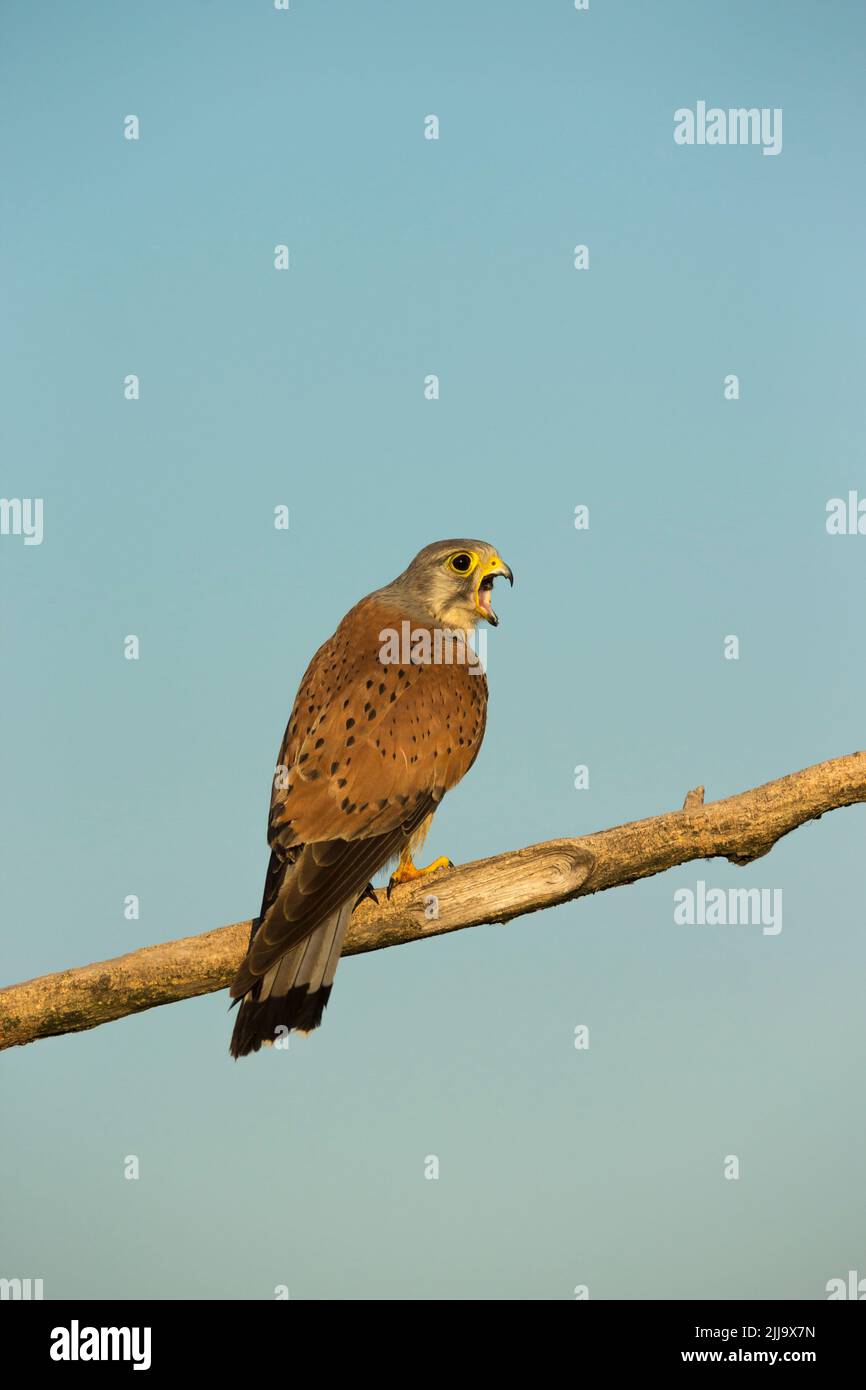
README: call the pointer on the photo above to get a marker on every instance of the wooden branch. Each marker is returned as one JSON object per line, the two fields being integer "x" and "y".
{"x": 740, "y": 829}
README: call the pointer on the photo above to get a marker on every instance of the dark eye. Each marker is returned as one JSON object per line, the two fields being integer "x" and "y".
{"x": 462, "y": 562}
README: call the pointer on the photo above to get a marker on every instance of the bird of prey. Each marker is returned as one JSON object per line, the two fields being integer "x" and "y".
{"x": 389, "y": 716}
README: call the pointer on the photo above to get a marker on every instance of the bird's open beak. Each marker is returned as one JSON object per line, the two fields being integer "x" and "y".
{"x": 493, "y": 569}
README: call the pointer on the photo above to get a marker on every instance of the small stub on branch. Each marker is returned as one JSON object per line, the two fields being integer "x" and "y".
{"x": 694, "y": 799}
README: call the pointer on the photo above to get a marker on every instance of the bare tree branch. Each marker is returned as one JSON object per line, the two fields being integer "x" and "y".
{"x": 739, "y": 828}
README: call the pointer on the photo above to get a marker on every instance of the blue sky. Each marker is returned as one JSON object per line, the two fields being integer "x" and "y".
{"x": 558, "y": 387}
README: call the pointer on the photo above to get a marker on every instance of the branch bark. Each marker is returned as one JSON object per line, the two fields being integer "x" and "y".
{"x": 740, "y": 828}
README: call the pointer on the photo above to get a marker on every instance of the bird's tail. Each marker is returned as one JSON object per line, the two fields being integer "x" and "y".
{"x": 294, "y": 992}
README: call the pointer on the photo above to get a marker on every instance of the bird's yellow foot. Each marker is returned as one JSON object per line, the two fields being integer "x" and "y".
{"x": 407, "y": 872}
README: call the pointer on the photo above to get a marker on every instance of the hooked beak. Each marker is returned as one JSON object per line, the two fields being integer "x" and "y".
{"x": 493, "y": 569}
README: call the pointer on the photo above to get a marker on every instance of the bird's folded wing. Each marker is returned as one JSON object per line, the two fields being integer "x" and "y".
{"x": 325, "y": 875}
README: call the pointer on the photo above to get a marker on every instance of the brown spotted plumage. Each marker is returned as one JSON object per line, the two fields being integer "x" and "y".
{"x": 380, "y": 730}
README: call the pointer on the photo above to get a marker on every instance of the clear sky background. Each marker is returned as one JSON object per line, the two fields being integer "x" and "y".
{"x": 558, "y": 1167}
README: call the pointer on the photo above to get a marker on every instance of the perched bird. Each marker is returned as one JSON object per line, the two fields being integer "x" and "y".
{"x": 389, "y": 716}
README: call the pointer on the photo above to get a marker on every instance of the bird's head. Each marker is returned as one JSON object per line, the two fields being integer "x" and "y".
{"x": 451, "y": 583}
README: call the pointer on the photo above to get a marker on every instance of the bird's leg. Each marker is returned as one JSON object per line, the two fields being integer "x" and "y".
{"x": 406, "y": 871}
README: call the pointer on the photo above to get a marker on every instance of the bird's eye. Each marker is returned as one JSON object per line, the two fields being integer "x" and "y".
{"x": 462, "y": 562}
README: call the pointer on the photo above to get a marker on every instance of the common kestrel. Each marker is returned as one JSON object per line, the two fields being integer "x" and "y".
{"x": 389, "y": 716}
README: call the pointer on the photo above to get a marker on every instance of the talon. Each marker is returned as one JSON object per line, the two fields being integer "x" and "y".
{"x": 369, "y": 892}
{"x": 407, "y": 872}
